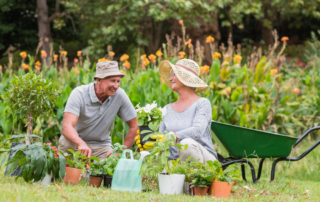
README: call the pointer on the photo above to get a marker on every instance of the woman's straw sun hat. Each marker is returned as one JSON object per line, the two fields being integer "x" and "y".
{"x": 186, "y": 70}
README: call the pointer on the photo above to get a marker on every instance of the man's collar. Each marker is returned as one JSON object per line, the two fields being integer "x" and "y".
{"x": 93, "y": 95}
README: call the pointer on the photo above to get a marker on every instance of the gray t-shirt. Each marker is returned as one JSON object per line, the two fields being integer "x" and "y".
{"x": 95, "y": 118}
{"x": 194, "y": 123}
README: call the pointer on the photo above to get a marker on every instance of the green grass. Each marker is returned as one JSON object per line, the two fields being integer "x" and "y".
{"x": 292, "y": 181}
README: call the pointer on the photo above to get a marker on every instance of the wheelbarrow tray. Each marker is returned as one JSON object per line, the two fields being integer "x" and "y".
{"x": 243, "y": 142}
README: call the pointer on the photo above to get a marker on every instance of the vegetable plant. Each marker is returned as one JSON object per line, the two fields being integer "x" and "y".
{"x": 96, "y": 167}
{"x": 75, "y": 159}
{"x": 36, "y": 160}
{"x": 200, "y": 175}
{"x": 224, "y": 175}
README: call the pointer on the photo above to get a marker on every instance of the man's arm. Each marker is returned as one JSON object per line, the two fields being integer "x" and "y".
{"x": 132, "y": 133}
{"x": 69, "y": 122}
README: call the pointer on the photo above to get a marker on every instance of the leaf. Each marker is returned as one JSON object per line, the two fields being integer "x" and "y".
{"x": 163, "y": 158}
{"x": 305, "y": 192}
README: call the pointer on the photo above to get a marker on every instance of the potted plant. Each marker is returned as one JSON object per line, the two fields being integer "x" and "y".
{"x": 75, "y": 163}
{"x": 96, "y": 172}
{"x": 38, "y": 161}
{"x": 109, "y": 164}
{"x": 201, "y": 178}
{"x": 171, "y": 181}
{"x": 146, "y": 115}
{"x": 223, "y": 182}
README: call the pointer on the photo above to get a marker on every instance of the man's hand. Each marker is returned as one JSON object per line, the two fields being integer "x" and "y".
{"x": 85, "y": 150}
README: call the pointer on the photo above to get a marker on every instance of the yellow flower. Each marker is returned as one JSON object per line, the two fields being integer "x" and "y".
{"x": 79, "y": 53}
{"x": 146, "y": 62}
{"x": 111, "y": 54}
{"x": 102, "y": 59}
{"x": 122, "y": 72}
{"x": 38, "y": 63}
{"x": 216, "y": 55}
{"x": 237, "y": 58}
{"x": 181, "y": 22}
{"x": 159, "y": 53}
{"x": 55, "y": 58}
{"x": 152, "y": 58}
{"x": 23, "y": 55}
{"x": 273, "y": 72}
{"x": 43, "y": 54}
{"x": 209, "y": 39}
{"x": 64, "y": 53}
{"x": 285, "y": 38}
{"x": 126, "y": 64}
{"x": 124, "y": 57}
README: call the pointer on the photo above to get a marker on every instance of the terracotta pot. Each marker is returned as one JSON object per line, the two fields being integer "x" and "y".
{"x": 220, "y": 189}
{"x": 201, "y": 191}
{"x": 72, "y": 176}
{"x": 95, "y": 181}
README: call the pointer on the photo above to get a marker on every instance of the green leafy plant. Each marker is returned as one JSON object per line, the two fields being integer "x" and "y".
{"x": 36, "y": 160}
{"x": 201, "y": 176}
{"x": 30, "y": 96}
{"x": 96, "y": 167}
{"x": 75, "y": 159}
{"x": 228, "y": 175}
{"x": 109, "y": 164}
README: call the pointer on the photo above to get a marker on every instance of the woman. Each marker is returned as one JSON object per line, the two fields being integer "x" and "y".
{"x": 190, "y": 116}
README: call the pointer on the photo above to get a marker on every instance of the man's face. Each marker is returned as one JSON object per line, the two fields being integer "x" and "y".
{"x": 109, "y": 86}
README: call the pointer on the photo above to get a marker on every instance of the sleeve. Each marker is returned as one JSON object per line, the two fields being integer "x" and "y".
{"x": 162, "y": 127}
{"x": 126, "y": 111}
{"x": 202, "y": 118}
{"x": 74, "y": 103}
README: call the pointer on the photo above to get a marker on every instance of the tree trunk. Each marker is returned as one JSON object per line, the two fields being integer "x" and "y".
{"x": 152, "y": 31}
{"x": 44, "y": 30}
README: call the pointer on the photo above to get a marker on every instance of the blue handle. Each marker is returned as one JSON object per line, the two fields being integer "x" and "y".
{"x": 126, "y": 151}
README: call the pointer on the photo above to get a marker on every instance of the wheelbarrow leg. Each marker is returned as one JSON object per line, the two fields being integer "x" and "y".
{"x": 253, "y": 173}
{"x": 243, "y": 171}
{"x": 260, "y": 168}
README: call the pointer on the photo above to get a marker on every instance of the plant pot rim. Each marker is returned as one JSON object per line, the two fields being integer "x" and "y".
{"x": 73, "y": 168}
{"x": 95, "y": 176}
{"x": 167, "y": 174}
{"x": 222, "y": 182}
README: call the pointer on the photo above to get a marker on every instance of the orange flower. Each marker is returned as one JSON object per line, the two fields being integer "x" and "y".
{"x": 159, "y": 53}
{"x": 64, "y": 53}
{"x": 126, "y": 64}
{"x": 152, "y": 58}
{"x": 76, "y": 70}
{"x": 0, "y": 67}
{"x": 102, "y": 59}
{"x": 143, "y": 57}
{"x": 216, "y": 55}
{"x": 124, "y": 57}
{"x": 274, "y": 72}
{"x": 76, "y": 60}
{"x": 209, "y": 39}
{"x": 43, "y": 54}
{"x": 161, "y": 79}
{"x": 204, "y": 69}
{"x": 146, "y": 62}
{"x": 189, "y": 43}
{"x": 285, "y": 38}
{"x": 37, "y": 67}
{"x": 296, "y": 91}
{"x": 23, "y": 55}
{"x": 181, "y": 22}
{"x": 79, "y": 53}
{"x": 25, "y": 66}
{"x": 55, "y": 58}
{"x": 122, "y": 72}
{"x": 237, "y": 58}
{"x": 181, "y": 54}
{"x": 111, "y": 54}
{"x": 38, "y": 63}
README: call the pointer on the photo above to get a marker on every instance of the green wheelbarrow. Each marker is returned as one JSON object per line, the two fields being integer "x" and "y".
{"x": 244, "y": 143}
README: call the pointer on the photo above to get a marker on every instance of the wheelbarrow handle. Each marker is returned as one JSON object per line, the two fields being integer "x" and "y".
{"x": 306, "y": 133}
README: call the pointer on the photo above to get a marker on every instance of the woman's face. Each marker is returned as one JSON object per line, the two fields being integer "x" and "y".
{"x": 176, "y": 84}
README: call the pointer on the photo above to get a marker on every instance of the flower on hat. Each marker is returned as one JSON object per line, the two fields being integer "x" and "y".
{"x": 216, "y": 55}
{"x": 79, "y": 53}
{"x": 126, "y": 64}
{"x": 23, "y": 55}
{"x": 152, "y": 58}
{"x": 55, "y": 57}
{"x": 209, "y": 39}
{"x": 159, "y": 53}
{"x": 43, "y": 54}
{"x": 124, "y": 57}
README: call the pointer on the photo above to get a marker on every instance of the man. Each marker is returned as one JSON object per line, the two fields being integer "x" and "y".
{"x": 90, "y": 111}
